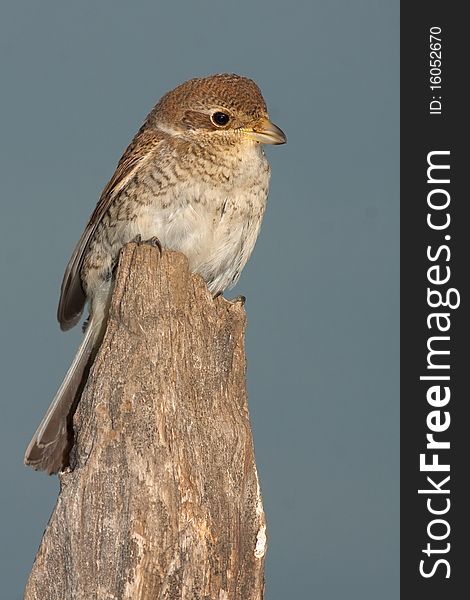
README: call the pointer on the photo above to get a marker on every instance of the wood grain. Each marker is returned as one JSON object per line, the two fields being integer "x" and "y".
{"x": 162, "y": 500}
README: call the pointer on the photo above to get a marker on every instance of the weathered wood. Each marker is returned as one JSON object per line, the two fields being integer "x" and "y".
{"x": 162, "y": 500}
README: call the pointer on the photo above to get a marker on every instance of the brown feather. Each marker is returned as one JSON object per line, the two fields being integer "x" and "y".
{"x": 72, "y": 296}
{"x": 48, "y": 448}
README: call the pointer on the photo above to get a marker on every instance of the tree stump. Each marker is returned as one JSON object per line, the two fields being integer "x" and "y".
{"x": 162, "y": 499}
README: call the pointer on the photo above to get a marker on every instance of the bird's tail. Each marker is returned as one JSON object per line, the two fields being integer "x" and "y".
{"x": 48, "y": 448}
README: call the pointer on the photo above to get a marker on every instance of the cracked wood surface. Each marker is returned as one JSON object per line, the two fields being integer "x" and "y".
{"x": 162, "y": 500}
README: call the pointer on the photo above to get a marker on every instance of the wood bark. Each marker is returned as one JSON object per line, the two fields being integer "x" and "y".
{"x": 162, "y": 499}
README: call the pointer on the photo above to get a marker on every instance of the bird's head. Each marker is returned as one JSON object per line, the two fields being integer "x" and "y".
{"x": 220, "y": 109}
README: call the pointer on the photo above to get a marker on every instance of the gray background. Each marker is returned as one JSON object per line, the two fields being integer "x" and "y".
{"x": 77, "y": 80}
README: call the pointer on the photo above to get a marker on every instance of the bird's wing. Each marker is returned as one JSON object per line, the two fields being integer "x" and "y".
{"x": 72, "y": 296}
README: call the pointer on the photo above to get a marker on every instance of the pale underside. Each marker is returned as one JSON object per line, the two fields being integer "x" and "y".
{"x": 213, "y": 220}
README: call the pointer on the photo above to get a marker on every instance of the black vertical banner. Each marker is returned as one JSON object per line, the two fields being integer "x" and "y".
{"x": 435, "y": 305}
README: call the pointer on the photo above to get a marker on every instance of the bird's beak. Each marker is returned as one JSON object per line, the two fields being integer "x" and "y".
{"x": 266, "y": 132}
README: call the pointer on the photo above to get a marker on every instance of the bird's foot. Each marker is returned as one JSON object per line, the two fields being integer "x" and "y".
{"x": 153, "y": 241}
{"x": 239, "y": 300}
{"x": 136, "y": 240}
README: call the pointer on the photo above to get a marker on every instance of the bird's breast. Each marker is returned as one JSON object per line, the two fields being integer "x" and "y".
{"x": 213, "y": 219}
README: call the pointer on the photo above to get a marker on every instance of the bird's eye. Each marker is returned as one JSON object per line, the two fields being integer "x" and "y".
{"x": 220, "y": 118}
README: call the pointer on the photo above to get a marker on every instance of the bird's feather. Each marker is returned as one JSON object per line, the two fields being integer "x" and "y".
{"x": 50, "y": 442}
{"x": 72, "y": 295}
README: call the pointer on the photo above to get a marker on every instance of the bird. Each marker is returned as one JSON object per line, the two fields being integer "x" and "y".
{"x": 195, "y": 180}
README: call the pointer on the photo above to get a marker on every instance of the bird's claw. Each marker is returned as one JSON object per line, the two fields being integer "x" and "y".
{"x": 239, "y": 300}
{"x": 153, "y": 241}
